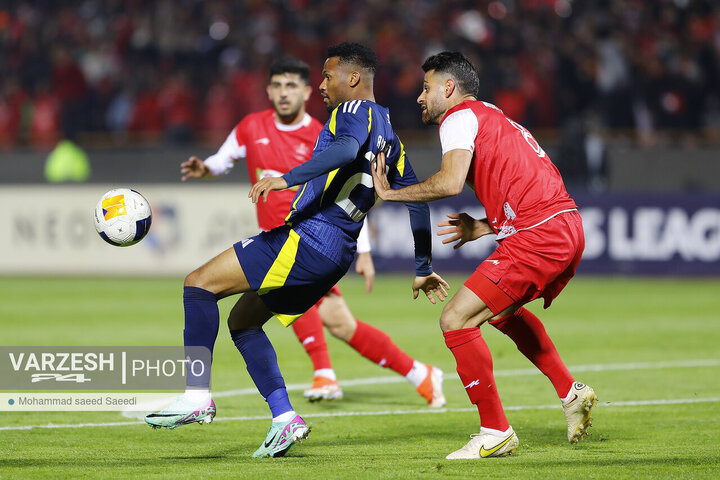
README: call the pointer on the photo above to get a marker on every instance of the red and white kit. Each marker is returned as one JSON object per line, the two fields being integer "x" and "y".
{"x": 538, "y": 228}
{"x": 270, "y": 149}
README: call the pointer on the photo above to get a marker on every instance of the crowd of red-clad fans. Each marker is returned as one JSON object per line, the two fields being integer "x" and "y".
{"x": 186, "y": 70}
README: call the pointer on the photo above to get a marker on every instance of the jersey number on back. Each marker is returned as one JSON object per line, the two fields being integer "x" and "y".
{"x": 528, "y": 138}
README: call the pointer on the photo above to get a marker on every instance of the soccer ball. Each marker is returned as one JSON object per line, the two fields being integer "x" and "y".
{"x": 122, "y": 217}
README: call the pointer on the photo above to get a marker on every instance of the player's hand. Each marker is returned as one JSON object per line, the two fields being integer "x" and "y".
{"x": 463, "y": 228}
{"x": 364, "y": 266}
{"x": 432, "y": 284}
{"x": 379, "y": 174}
{"x": 193, "y": 168}
{"x": 265, "y": 186}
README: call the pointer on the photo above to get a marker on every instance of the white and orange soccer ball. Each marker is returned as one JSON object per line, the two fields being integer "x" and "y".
{"x": 122, "y": 217}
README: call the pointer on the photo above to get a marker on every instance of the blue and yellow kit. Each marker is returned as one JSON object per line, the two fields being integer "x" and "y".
{"x": 293, "y": 266}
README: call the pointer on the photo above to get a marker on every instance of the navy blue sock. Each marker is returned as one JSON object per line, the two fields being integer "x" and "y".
{"x": 202, "y": 321}
{"x": 263, "y": 368}
{"x": 279, "y": 402}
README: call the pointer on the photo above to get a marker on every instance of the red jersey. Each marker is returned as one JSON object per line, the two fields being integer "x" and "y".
{"x": 511, "y": 175}
{"x": 271, "y": 149}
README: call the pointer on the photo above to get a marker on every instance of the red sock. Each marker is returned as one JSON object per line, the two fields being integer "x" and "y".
{"x": 376, "y": 346}
{"x": 309, "y": 330}
{"x": 528, "y": 333}
{"x": 475, "y": 367}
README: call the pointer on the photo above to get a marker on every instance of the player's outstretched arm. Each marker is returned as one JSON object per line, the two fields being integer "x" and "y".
{"x": 194, "y": 168}
{"x": 266, "y": 185}
{"x": 215, "y": 165}
{"x": 447, "y": 182}
{"x": 431, "y": 284}
{"x": 463, "y": 228}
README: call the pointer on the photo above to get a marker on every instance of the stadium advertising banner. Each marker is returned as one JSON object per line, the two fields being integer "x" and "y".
{"x": 49, "y": 230}
{"x": 647, "y": 234}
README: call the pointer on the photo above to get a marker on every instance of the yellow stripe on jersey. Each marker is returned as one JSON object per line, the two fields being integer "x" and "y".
{"x": 400, "y": 165}
{"x": 287, "y": 319}
{"x": 369, "y": 118}
{"x": 280, "y": 269}
{"x": 294, "y": 205}
{"x": 333, "y": 120}
{"x": 328, "y": 181}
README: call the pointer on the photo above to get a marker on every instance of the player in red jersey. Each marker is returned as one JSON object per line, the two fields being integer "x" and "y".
{"x": 272, "y": 142}
{"x": 540, "y": 236}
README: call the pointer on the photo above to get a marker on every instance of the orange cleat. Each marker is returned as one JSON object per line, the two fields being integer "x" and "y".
{"x": 431, "y": 387}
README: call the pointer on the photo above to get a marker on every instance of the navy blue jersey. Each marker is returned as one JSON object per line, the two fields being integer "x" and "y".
{"x": 328, "y": 210}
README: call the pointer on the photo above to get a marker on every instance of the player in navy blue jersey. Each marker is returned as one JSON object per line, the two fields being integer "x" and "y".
{"x": 286, "y": 270}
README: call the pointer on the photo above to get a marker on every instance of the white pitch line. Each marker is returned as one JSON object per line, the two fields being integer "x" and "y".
{"x": 398, "y": 379}
{"x": 426, "y": 411}
{"x": 608, "y": 367}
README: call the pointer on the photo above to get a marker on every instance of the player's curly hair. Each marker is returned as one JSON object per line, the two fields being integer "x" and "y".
{"x": 355, "y": 54}
{"x": 290, "y": 65}
{"x": 458, "y": 67}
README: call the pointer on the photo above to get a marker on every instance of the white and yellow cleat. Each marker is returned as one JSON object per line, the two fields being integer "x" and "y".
{"x": 323, "y": 389}
{"x": 486, "y": 445}
{"x": 578, "y": 411}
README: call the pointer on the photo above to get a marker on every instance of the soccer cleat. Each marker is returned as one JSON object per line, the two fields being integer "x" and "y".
{"x": 282, "y": 436}
{"x": 578, "y": 411}
{"x": 324, "y": 389}
{"x": 486, "y": 445}
{"x": 431, "y": 387}
{"x": 181, "y": 412}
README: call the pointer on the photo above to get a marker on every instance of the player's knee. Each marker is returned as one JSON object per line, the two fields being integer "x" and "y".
{"x": 336, "y": 316}
{"x": 449, "y": 320}
{"x": 195, "y": 279}
{"x": 249, "y": 312}
{"x": 235, "y": 319}
{"x": 191, "y": 279}
{"x": 453, "y": 318}
{"x": 342, "y": 328}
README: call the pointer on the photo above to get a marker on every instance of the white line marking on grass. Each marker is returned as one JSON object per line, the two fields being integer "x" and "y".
{"x": 69, "y": 425}
{"x": 645, "y": 365}
{"x": 608, "y": 367}
{"x": 399, "y": 379}
{"x": 554, "y": 406}
{"x": 425, "y": 411}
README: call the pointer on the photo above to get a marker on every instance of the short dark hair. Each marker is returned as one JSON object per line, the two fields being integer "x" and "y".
{"x": 355, "y": 54}
{"x": 290, "y": 65}
{"x": 457, "y": 66}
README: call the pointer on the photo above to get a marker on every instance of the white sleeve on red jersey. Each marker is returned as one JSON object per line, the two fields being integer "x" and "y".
{"x": 224, "y": 160}
{"x": 363, "y": 241}
{"x": 458, "y": 131}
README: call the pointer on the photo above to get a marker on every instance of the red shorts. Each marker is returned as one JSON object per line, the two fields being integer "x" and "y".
{"x": 532, "y": 263}
{"x": 335, "y": 289}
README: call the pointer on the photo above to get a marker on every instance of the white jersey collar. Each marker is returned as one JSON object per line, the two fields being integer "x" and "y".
{"x": 291, "y": 128}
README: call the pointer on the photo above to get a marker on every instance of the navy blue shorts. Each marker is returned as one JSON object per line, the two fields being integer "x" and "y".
{"x": 288, "y": 274}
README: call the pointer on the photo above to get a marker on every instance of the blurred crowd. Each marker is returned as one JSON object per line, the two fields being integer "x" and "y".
{"x": 188, "y": 70}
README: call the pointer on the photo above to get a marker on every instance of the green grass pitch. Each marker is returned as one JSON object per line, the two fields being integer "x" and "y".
{"x": 650, "y": 348}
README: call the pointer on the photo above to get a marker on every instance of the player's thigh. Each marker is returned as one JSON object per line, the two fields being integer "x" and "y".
{"x": 222, "y": 275}
{"x": 466, "y": 310}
